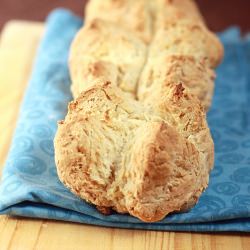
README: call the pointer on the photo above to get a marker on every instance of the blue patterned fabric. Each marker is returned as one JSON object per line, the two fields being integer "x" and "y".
{"x": 30, "y": 186}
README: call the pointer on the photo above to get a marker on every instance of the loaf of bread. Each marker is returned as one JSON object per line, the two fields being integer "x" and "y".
{"x": 135, "y": 139}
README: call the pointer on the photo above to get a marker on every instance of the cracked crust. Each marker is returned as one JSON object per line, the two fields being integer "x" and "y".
{"x": 194, "y": 74}
{"x": 117, "y": 153}
{"x": 135, "y": 138}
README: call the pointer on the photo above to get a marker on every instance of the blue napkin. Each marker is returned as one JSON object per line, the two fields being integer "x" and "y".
{"x": 30, "y": 186}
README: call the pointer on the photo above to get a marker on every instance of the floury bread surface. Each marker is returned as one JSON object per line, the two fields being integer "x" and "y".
{"x": 117, "y": 153}
{"x": 103, "y": 52}
{"x": 193, "y": 73}
{"x": 108, "y": 48}
{"x": 135, "y": 138}
{"x": 142, "y": 16}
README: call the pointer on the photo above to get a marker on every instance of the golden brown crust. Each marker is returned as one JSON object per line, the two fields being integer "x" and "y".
{"x": 135, "y": 138}
{"x": 102, "y": 51}
{"x": 165, "y": 11}
{"x": 130, "y": 14}
{"x": 194, "y": 74}
{"x": 116, "y": 152}
{"x": 187, "y": 38}
{"x": 142, "y": 16}
{"x": 170, "y": 167}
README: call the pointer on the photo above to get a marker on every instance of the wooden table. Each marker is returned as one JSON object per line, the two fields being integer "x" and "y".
{"x": 18, "y": 46}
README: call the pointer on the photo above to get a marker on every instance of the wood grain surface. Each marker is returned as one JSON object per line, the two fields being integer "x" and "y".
{"x": 18, "y": 46}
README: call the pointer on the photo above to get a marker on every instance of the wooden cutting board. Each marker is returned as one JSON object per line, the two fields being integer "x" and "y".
{"x": 18, "y": 46}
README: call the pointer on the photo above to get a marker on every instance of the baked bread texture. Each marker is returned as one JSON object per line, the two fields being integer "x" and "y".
{"x": 142, "y": 16}
{"x": 116, "y": 152}
{"x": 194, "y": 74}
{"x": 187, "y": 38}
{"x": 135, "y": 139}
{"x": 104, "y": 52}
{"x": 130, "y": 14}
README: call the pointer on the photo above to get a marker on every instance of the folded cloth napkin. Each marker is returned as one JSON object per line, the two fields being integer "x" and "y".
{"x": 30, "y": 186}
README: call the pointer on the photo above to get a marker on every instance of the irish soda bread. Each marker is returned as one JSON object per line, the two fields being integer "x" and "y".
{"x": 135, "y": 139}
